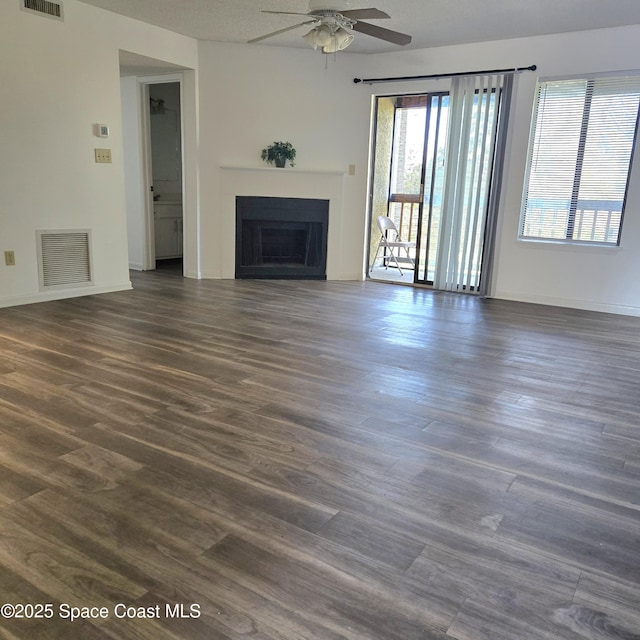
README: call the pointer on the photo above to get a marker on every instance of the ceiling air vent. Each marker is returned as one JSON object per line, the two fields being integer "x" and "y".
{"x": 43, "y": 8}
{"x": 64, "y": 258}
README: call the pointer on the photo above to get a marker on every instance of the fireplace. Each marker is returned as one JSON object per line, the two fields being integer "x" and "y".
{"x": 281, "y": 237}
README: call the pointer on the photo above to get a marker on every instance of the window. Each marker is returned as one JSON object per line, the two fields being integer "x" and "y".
{"x": 579, "y": 159}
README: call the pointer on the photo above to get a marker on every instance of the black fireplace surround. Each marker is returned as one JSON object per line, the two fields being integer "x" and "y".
{"x": 281, "y": 237}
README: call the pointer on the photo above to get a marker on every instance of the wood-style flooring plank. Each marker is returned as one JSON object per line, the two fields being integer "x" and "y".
{"x": 311, "y": 460}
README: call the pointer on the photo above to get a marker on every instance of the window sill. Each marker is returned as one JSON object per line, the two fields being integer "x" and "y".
{"x": 537, "y": 242}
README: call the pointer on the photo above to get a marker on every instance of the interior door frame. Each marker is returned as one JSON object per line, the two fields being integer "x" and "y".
{"x": 144, "y": 82}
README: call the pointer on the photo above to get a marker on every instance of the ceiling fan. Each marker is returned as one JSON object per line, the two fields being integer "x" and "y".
{"x": 332, "y": 23}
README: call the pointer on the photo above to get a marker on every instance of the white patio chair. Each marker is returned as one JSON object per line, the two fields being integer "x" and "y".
{"x": 391, "y": 241}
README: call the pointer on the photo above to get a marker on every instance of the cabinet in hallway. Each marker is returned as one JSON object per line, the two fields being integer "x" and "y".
{"x": 168, "y": 229}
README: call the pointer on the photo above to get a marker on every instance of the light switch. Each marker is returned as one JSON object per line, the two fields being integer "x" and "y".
{"x": 352, "y": 169}
{"x": 103, "y": 155}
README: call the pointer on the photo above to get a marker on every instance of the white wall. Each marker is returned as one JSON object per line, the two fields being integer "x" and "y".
{"x": 253, "y": 95}
{"x": 58, "y": 79}
{"x": 602, "y": 279}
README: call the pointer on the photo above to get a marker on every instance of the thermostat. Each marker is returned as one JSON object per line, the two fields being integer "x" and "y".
{"x": 102, "y": 130}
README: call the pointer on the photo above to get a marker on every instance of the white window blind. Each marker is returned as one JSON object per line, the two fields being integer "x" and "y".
{"x": 579, "y": 159}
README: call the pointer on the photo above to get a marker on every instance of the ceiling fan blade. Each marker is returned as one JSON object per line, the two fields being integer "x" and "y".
{"x": 384, "y": 34}
{"x": 365, "y": 14}
{"x": 279, "y": 31}
{"x": 286, "y": 13}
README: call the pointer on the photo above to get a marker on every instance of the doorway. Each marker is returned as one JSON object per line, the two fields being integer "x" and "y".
{"x": 166, "y": 173}
{"x": 410, "y": 149}
{"x": 177, "y": 190}
{"x": 432, "y": 176}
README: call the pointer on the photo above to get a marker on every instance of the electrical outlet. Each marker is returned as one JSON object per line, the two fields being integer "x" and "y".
{"x": 10, "y": 258}
{"x": 103, "y": 155}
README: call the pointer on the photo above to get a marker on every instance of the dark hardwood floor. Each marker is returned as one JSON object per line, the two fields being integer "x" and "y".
{"x": 318, "y": 460}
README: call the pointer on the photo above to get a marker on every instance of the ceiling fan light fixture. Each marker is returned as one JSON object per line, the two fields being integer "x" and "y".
{"x": 320, "y": 36}
{"x": 332, "y": 26}
{"x": 323, "y": 35}
{"x": 341, "y": 40}
{"x": 310, "y": 38}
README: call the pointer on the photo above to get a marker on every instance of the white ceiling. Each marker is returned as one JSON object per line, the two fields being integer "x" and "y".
{"x": 431, "y": 22}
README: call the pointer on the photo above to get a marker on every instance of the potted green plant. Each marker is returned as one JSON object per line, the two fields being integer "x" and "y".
{"x": 278, "y": 153}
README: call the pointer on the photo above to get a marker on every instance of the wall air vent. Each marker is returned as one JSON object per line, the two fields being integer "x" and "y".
{"x": 43, "y": 8}
{"x": 64, "y": 258}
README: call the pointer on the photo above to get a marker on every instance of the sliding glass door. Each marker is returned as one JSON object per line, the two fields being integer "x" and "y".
{"x": 411, "y": 134}
{"x": 437, "y": 124}
{"x": 433, "y": 169}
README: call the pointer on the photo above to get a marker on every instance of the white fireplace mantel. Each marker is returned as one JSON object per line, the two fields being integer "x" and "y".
{"x": 287, "y": 169}
{"x": 282, "y": 183}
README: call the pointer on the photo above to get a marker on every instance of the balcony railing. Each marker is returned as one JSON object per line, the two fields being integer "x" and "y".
{"x": 404, "y": 211}
{"x": 592, "y": 221}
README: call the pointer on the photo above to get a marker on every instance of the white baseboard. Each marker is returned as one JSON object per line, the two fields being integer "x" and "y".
{"x": 62, "y": 294}
{"x": 586, "y": 305}
{"x": 358, "y": 277}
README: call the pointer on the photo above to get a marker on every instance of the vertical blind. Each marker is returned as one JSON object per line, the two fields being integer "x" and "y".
{"x": 473, "y": 131}
{"x": 579, "y": 159}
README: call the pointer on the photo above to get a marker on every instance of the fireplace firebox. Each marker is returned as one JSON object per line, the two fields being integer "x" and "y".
{"x": 281, "y": 237}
